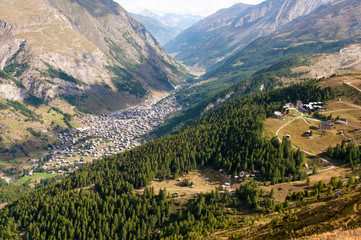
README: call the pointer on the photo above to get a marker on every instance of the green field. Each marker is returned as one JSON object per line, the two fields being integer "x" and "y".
{"x": 36, "y": 176}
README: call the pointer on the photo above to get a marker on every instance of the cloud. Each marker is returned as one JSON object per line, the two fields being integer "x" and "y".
{"x": 200, "y": 7}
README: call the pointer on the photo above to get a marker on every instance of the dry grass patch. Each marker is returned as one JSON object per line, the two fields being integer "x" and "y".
{"x": 271, "y": 125}
{"x": 321, "y": 139}
{"x": 283, "y": 189}
{"x": 204, "y": 181}
{"x": 336, "y": 235}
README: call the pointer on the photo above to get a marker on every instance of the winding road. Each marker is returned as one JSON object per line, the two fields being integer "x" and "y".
{"x": 302, "y": 116}
{"x": 349, "y": 83}
{"x": 308, "y": 153}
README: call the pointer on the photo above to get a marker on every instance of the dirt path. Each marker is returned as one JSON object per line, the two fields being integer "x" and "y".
{"x": 349, "y": 83}
{"x": 344, "y": 67}
{"x": 307, "y": 153}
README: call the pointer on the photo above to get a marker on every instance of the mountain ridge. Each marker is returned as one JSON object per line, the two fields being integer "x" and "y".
{"x": 94, "y": 42}
{"x": 167, "y": 26}
{"x": 248, "y": 24}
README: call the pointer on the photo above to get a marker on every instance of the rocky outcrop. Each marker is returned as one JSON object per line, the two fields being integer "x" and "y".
{"x": 72, "y": 47}
{"x": 12, "y": 92}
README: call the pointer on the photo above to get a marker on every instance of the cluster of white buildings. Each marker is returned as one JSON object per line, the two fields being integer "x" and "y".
{"x": 105, "y": 135}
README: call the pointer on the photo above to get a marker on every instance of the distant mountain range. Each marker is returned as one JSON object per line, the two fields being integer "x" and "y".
{"x": 168, "y": 26}
{"x": 311, "y": 44}
{"x": 328, "y": 30}
{"x": 92, "y": 53}
{"x": 229, "y": 30}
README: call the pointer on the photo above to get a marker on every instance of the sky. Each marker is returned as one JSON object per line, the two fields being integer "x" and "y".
{"x": 196, "y": 7}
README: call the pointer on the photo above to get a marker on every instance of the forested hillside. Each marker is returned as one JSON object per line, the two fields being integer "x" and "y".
{"x": 99, "y": 202}
{"x": 199, "y": 97}
{"x": 306, "y": 37}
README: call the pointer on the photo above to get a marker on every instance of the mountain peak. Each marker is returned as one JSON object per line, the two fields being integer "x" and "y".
{"x": 231, "y": 29}
{"x": 82, "y": 47}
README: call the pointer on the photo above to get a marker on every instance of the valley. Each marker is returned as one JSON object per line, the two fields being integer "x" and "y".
{"x": 105, "y": 135}
{"x": 93, "y": 138}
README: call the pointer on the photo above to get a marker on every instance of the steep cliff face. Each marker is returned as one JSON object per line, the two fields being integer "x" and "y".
{"x": 77, "y": 48}
{"x": 220, "y": 35}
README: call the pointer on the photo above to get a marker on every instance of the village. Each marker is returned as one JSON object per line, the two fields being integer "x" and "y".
{"x": 104, "y": 135}
{"x": 312, "y": 108}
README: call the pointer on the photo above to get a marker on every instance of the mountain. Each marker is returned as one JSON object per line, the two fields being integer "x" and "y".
{"x": 116, "y": 198}
{"x": 104, "y": 200}
{"x": 326, "y": 31}
{"x": 321, "y": 44}
{"x": 163, "y": 33}
{"x": 168, "y": 26}
{"x": 220, "y": 35}
{"x": 92, "y": 53}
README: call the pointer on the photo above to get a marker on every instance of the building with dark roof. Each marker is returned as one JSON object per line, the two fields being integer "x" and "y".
{"x": 327, "y": 126}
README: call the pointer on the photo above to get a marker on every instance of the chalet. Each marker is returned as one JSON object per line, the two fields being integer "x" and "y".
{"x": 343, "y": 121}
{"x": 341, "y": 133}
{"x": 288, "y": 105}
{"x": 313, "y": 106}
{"x": 307, "y": 133}
{"x": 278, "y": 115}
{"x": 327, "y": 125}
{"x": 224, "y": 187}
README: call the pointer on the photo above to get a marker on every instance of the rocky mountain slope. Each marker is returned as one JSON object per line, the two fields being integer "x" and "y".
{"x": 92, "y": 53}
{"x": 326, "y": 31}
{"x": 163, "y": 33}
{"x": 218, "y": 36}
{"x": 166, "y": 27}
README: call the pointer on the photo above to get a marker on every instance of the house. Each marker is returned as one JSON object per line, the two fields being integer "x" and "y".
{"x": 327, "y": 125}
{"x": 299, "y": 104}
{"x": 278, "y": 115}
{"x": 288, "y": 105}
{"x": 307, "y": 133}
{"x": 226, "y": 186}
{"x": 343, "y": 121}
{"x": 313, "y": 106}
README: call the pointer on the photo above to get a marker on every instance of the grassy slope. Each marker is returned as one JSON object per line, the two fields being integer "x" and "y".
{"x": 21, "y": 143}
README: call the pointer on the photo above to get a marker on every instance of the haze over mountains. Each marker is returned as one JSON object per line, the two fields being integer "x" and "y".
{"x": 167, "y": 26}
{"x": 221, "y": 34}
{"x": 82, "y": 48}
